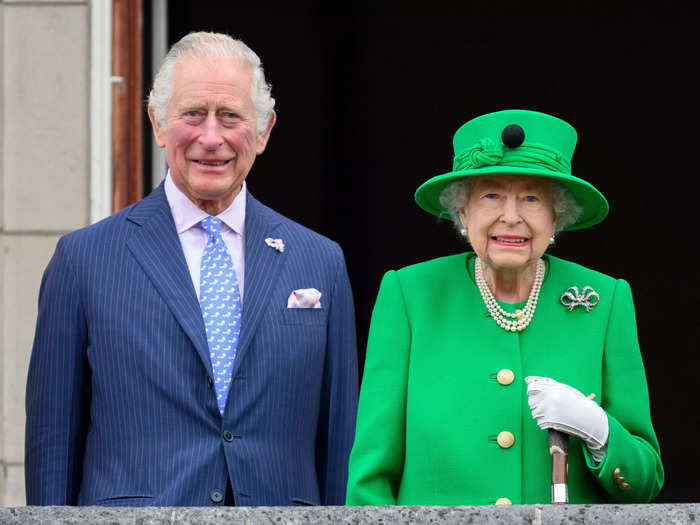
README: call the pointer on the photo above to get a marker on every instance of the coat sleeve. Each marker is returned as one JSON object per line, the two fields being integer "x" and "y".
{"x": 57, "y": 396}
{"x": 632, "y": 444}
{"x": 336, "y": 426}
{"x": 377, "y": 457}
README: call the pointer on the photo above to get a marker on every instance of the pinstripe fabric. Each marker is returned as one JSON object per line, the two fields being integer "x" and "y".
{"x": 119, "y": 409}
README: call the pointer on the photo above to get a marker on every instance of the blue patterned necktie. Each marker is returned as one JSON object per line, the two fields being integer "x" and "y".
{"x": 221, "y": 307}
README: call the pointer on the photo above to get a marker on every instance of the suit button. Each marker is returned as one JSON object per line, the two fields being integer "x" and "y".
{"x": 505, "y": 439}
{"x": 210, "y": 382}
{"x": 503, "y": 501}
{"x": 228, "y": 435}
{"x": 505, "y": 377}
{"x": 216, "y": 496}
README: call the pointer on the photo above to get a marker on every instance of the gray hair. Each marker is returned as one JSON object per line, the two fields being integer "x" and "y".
{"x": 211, "y": 45}
{"x": 456, "y": 196}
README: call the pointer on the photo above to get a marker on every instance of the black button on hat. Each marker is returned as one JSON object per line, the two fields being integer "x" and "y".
{"x": 513, "y": 135}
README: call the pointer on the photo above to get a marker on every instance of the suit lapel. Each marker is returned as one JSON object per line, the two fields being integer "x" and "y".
{"x": 262, "y": 267}
{"x": 156, "y": 246}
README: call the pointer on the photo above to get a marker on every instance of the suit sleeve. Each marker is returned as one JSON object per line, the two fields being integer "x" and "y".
{"x": 632, "y": 444}
{"x": 377, "y": 457}
{"x": 57, "y": 397}
{"x": 336, "y": 426}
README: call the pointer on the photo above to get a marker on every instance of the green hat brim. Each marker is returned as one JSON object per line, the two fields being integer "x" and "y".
{"x": 595, "y": 206}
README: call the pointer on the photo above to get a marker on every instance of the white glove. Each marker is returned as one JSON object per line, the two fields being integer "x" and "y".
{"x": 562, "y": 407}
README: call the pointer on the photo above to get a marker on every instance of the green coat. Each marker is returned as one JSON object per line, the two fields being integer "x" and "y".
{"x": 431, "y": 406}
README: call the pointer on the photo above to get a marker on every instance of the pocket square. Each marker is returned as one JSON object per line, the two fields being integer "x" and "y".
{"x": 304, "y": 298}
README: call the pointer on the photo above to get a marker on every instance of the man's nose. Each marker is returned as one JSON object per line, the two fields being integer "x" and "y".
{"x": 211, "y": 137}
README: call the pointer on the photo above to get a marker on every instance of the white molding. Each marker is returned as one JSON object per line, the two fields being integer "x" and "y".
{"x": 100, "y": 109}
{"x": 159, "y": 48}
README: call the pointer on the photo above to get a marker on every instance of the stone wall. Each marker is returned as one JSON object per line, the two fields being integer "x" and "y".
{"x": 491, "y": 515}
{"x": 44, "y": 184}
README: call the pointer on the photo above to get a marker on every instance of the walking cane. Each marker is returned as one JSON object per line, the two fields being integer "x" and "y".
{"x": 559, "y": 450}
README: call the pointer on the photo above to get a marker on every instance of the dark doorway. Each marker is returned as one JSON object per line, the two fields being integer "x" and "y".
{"x": 368, "y": 100}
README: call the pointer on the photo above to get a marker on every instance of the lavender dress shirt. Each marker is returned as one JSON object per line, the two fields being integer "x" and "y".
{"x": 194, "y": 239}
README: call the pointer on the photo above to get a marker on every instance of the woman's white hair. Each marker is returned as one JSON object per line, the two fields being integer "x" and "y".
{"x": 456, "y": 196}
{"x": 211, "y": 45}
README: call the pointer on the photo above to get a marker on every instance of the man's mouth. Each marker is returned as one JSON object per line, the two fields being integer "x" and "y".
{"x": 212, "y": 162}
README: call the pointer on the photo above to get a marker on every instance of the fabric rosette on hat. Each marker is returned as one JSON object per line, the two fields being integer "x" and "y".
{"x": 519, "y": 142}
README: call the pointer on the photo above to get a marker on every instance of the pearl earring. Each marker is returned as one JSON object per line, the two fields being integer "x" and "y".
{"x": 551, "y": 240}
{"x": 463, "y": 232}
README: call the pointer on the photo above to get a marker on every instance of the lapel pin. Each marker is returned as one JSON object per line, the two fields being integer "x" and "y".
{"x": 587, "y": 298}
{"x": 277, "y": 244}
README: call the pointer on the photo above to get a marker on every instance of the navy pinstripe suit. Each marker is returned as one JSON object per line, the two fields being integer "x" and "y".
{"x": 120, "y": 408}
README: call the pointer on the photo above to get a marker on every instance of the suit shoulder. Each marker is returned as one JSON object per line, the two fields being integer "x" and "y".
{"x": 300, "y": 233}
{"x": 100, "y": 230}
{"x": 152, "y": 207}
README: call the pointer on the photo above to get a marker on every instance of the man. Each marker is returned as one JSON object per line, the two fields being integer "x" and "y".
{"x": 196, "y": 348}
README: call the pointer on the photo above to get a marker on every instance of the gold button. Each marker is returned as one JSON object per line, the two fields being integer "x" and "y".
{"x": 505, "y": 439}
{"x": 505, "y": 377}
{"x": 503, "y": 501}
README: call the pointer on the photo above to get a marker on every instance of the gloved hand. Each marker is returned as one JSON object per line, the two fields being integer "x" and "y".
{"x": 562, "y": 407}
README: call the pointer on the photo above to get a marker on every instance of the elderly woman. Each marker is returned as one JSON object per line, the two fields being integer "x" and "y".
{"x": 471, "y": 356}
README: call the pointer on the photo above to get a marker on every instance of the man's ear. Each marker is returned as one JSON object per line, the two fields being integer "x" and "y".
{"x": 265, "y": 135}
{"x": 158, "y": 132}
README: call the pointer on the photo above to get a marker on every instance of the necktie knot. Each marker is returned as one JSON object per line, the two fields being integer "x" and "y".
{"x": 211, "y": 225}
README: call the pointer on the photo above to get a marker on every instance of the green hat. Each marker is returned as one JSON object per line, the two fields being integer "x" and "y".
{"x": 518, "y": 142}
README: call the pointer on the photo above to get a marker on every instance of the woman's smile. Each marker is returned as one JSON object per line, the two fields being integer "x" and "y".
{"x": 510, "y": 241}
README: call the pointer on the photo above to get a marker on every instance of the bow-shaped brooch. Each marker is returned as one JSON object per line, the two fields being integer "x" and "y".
{"x": 572, "y": 298}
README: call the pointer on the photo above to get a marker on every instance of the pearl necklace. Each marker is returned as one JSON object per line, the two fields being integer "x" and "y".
{"x": 522, "y": 317}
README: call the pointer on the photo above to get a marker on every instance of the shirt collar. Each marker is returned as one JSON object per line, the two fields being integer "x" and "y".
{"x": 186, "y": 214}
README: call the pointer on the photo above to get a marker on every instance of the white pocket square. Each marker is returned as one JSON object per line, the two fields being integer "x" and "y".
{"x": 304, "y": 298}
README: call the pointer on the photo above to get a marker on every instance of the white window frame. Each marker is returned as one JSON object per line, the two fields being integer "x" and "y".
{"x": 159, "y": 48}
{"x": 100, "y": 109}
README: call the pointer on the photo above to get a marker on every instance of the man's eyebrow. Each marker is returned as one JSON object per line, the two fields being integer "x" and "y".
{"x": 191, "y": 104}
{"x": 186, "y": 104}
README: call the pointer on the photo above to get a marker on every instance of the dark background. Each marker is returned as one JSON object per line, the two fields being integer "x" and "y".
{"x": 368, "y": 100}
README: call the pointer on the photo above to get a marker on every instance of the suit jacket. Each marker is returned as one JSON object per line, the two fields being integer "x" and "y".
{"x": 432, "y": 406}
{"x": 120, "y": 404}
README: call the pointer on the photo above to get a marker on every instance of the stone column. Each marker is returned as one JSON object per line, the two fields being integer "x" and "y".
{"x": 44, "y": 184}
